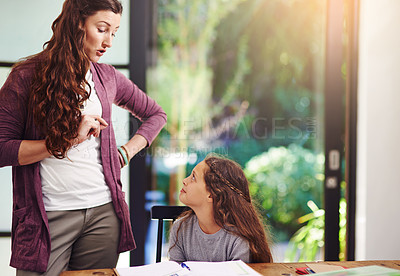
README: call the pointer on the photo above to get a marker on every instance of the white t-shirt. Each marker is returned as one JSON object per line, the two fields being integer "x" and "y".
{"x": 76, "y": 182}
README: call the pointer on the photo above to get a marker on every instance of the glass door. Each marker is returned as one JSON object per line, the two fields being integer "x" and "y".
{"x": 245, "y": 79}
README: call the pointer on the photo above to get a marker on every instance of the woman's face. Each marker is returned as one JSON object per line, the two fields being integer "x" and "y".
{"x": 194, "y": 193}
{"x": 100, "y": 30}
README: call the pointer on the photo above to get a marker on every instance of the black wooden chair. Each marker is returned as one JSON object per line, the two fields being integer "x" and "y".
{"x": 164, "y": 213}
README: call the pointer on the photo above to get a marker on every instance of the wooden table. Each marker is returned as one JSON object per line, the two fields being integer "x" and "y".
{"x": 263, "y": 268}
{"x": 290, "y": 268}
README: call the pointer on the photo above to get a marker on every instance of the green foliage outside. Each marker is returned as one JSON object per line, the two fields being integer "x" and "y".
{"x": 245, "y": 78}
{"x": 286, "y": 183}
{"x": 181, "y": 81}
{"x": 307, "y": 243}
{"x": 283, "y": 180}
{"x": 285, "y": 42}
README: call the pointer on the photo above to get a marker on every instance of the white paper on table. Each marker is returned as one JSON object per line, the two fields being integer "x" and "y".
{"x": 229, "y": 268}
{"x": 169, "y": 268}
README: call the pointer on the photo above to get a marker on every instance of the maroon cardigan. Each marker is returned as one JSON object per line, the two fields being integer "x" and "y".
{"x": 30, "y": 230}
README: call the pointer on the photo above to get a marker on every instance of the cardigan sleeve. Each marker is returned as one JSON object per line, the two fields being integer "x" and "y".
{"x": 143, "y": 107}
{"x": 13, "y": 110}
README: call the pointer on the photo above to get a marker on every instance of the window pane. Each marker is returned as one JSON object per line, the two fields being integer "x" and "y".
{"x": 27, "y": 26}
{"x": 245, "y": 79}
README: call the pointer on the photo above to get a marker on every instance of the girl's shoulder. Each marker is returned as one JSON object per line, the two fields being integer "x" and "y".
{"x": 184, "y": 221}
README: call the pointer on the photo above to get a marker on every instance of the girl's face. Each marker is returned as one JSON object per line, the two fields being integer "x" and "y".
{"x": 194, "y": 193}
{"x": 100, "y": 30}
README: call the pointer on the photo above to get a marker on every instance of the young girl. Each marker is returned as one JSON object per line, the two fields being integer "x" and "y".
{"x": 222, "y": 224}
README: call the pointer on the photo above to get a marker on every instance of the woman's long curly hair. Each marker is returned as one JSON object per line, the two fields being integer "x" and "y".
{"x": 58, "y": 85}
{"x": 233, "y": 208}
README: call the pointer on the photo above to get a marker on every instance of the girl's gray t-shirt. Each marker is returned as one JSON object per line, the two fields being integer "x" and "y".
{"x": 195, "y": 245}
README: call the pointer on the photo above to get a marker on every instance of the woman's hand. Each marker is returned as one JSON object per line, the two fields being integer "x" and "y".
{"x": 32, "y": 151}
{"x": 134, "y": 145}
{"x": 90, "y": 125}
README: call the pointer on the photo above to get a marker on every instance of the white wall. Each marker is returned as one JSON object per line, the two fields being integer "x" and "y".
{"x": 378, "y": 168}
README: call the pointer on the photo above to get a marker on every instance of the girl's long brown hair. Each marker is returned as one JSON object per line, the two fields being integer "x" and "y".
{"x": 233, "y": 209}
{"x": 58, "y": 85}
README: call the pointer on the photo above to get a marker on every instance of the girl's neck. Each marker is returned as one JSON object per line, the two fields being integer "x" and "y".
{"x": 207, "y": 222}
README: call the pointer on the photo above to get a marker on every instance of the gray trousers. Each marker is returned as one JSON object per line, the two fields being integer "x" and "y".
{"x": 81, "y": 239}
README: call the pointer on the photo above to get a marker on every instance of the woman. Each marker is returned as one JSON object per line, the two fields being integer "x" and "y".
{"x": 222, "y": 224}
{"x": 69, "y": 211}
